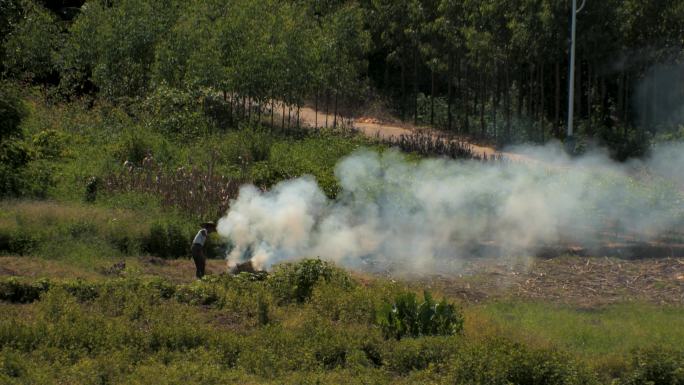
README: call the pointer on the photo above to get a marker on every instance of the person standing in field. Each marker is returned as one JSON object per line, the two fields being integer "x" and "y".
{"x": 197, "y": 248}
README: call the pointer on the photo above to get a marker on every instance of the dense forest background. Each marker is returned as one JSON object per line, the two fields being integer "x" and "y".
{"x": 492, "y": 69}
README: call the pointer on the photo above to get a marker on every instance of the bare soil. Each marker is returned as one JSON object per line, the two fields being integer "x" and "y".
{"x": 384, "y": 129}
{"x": 578, "y": 281}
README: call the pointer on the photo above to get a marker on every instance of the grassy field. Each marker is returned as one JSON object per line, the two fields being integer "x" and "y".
{"x": 147, "y": 325}
{"x": 96, "y": 284}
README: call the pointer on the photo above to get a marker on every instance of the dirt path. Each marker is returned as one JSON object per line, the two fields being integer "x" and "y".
{"x": 376, "y": 128}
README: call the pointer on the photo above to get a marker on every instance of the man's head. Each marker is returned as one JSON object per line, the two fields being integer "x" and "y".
{"x": 209, "y": 226}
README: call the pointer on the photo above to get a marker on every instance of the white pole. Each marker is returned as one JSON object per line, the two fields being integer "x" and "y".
{"x": 571, "y": 77}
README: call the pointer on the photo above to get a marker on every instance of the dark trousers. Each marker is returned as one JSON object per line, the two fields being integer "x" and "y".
{"x": 199, "y": 258}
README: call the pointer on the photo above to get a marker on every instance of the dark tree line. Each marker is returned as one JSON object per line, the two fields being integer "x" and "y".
{"x": 495, "y": 69}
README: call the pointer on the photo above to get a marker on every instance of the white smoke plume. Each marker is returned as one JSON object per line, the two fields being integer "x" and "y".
{"x": 427, "y": 216}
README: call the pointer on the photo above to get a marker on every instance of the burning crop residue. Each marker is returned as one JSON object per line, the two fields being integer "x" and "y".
{"x": 427, "y": 216}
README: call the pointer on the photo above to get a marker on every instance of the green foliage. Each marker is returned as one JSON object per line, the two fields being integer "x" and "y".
{"x": 657, "y": 366}
{"x": 17, "y": 291}
{"x": 32, "y": 45}
{"x": 176, "y": 112}
{"x": 419, "y": 354}
{"x": 502, "y": 362}
{"x": 14, "y": 154}
{"x": 406, "y": 317}
{"x": 12, "y": 112}
{"x": 123, "y": 329}
{"x": 294, "y": 282}
{"x": 167, "y": 240}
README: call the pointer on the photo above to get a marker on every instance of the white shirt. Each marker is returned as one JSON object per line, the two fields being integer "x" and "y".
{"x": 201, "y": 237}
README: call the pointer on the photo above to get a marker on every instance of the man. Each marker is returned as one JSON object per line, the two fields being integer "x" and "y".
{"x": 198, "y": 247}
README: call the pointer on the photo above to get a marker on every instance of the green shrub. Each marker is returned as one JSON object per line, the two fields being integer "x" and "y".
{"x": 18, "y": 241}
{"x": 411, "y": 354}
{"x": 294, "y": 282}
{"x": 12, "y": 112}
{"x": 176, "y": 112}
{"x": 167, "y": 240}
{"x": 656, "y": 366}
{"x": 408, "y": 318}
{"x": 500, "y": 362}
{"x": 355, "y": 305}
{"x": 198, "y": 293}
{"x": 16, "y": 291}
{"x": 11, "y": 365}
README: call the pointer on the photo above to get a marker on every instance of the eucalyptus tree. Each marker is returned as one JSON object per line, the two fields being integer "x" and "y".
{"x": 32, "y": 40}
{"x": 113, "y": 45}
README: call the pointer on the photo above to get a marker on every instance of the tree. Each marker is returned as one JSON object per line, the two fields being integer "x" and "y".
{"x": 32, "y": 44}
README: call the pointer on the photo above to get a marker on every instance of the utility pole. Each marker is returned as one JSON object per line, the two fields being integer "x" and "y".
{"x": 571, "y": 77}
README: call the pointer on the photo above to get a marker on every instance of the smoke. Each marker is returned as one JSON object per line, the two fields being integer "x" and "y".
{"x": 431, "y": 215}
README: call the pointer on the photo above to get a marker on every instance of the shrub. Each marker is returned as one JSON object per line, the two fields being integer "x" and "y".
{"x": 417, "y": 354}
{"x": 11, "y": 113}
{"x": 167, "y": 240}
{"x": 294, "y": 282}
{"x": 16, "y": 291}
{"x": 198, "y": 293}
{"x": 656, "y": 366}
{"x": 356, "y": 305}
{"x": 500, "y": 362}
{"x": 18, "y": 241}
{"x": 408, "y": 318}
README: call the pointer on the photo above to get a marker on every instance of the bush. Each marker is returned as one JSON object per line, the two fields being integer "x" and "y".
{"x": 176, "y": 112}
{"x": 18, "y": 241}
{"x": 167, "y": 240}
{"x": 11, "y": 113}
{"x": 500, "y": 362}
{"x": 294, "y": 282}
{"x": 408, "y": 318}
{"x": 418, "y": 354}
{"x": 356, "y": 305}
{"x": 16, "y": 291}
{"x": 656, "y": 366}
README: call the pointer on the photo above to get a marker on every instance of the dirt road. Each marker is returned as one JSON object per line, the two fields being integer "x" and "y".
{"x": 377, "y": 128}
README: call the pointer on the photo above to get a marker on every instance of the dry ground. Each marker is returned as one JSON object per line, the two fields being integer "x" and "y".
{"x": 572, "y": 280}
{"x": 577, "y": 281}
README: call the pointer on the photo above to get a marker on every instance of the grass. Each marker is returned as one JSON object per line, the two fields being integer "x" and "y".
{"x": 144, "y": 329}
{"x": 153, "y": 324}
{"x": 602, "y": 336}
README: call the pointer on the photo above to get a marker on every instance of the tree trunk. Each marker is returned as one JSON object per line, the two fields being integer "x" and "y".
{"x": 556, "y": 116}
{"x": 230, "y": 110}
{"x": 531, "y": 92}
{"x": 335, "y": 118}
{"x": 521, "y": 97}
{"x": 249, "y": 109}
{"x": 415, "y": 85}
{"x": 272, "y": 112}
{"x": 578, "y": 89}
{"x": 589, "y": 93}
{"x": 316, "y": 111}
{"x": 465, "y": 96}
{"x": 327, "y": 106}
{"x": 541, "y": 102}
{"x": 625, "y": 107}
{"x": 495, "y": 99}
{"x": 450, "y": 79}
{"x": 507, "y": 103}
{"x": 483, "y": 87}
{"x": 432, "y": 97}
{"x": 403, "y": 91}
